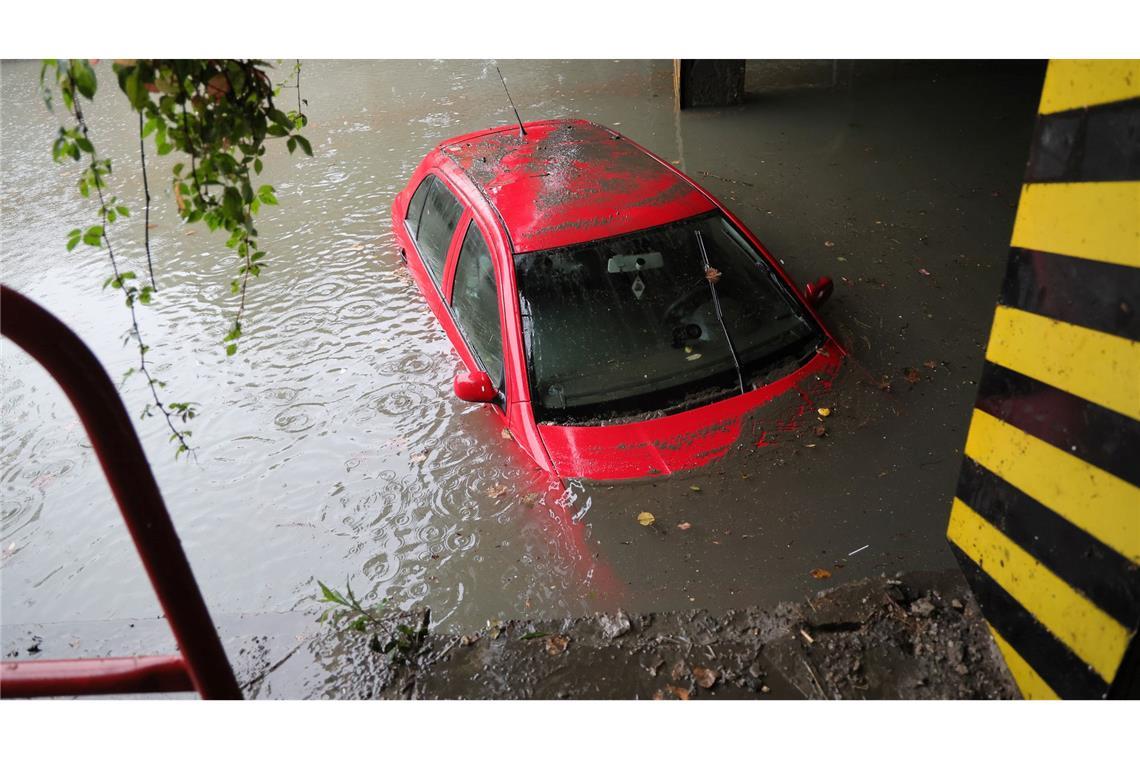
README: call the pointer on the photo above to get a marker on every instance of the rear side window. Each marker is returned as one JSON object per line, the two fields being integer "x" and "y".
{"x": 437, "y": 225}
{"x": 475, "y": 303}
{"x": 416, "y": 206}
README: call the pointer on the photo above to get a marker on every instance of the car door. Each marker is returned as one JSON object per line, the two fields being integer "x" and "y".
{"x": 474, "y": 303}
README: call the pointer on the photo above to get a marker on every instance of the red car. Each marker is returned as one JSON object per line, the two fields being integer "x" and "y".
{"x": 616, "y": 317}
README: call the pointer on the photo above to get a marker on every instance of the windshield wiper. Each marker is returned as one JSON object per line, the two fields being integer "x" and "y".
{"x": 719, "y": 314}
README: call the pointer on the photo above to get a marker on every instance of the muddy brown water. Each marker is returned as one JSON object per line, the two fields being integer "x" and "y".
{"x": 331, "y": 446}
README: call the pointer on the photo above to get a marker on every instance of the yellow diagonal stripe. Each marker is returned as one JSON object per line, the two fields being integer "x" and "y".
{"x": 1102, "y": 368}
{"x": 1089, "y": 220}
{"x": 1097, "y": 502}
{"x": 1084, "y": 628}
{"x": 1079, "y": 84}
{"x": 1032, "y": 686}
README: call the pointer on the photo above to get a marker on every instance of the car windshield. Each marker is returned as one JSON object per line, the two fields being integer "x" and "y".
{"x": 655, "y": 322}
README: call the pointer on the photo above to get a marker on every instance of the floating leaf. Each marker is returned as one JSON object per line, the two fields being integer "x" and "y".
{"x": 820, "y": 574}
{"x": 823, "y": 411}
{"x": 684, "y": 526}
{"x": 694, "y": 488}
{"x": 646, "y": 519}
{"x": 496, "y": 490}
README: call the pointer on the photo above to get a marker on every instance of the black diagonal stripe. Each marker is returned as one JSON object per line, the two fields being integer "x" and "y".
{"x": 1099, "y": 573}
{"x": 1096, "y": 144}
{"x": 1063, "y": 670}
{"x": 1092, "y": 294}
{"x": 1099, "y": 436}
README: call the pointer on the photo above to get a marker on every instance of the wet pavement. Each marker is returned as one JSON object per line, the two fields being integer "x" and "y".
{"x": 331, "y": 446}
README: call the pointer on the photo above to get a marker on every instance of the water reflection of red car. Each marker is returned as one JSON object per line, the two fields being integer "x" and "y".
{"x": 617, "y": 317}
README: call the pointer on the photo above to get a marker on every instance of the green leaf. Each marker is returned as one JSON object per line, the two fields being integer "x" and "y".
{"x": 85, "y": 145}
{"x": 304, "y": 143}
{"x": 231, "y": 349}
{"x": 84, "y": 77}
{"x": 93, "y": 235}
{"x": 330, "y": 595}
{"x": 231, "y": 203}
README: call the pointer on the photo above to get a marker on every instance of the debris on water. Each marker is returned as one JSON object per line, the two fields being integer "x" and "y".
{"x": 957, "y": 604}
{"x": 496, "y": 490}
{"x": 705, "y": 677}
{"x": 823, "y": 411}
{"x": 419, "y": 456}
{"x": 556, "y": 645}
{"x": 506, "y": 434}
{"x": 930, "y": 364}
{"x": 807, "y": 636}
{"x": 820, "y": 574}
{"x": 861, "y": 548}
{"x": 820, "y": 431}
{"x": 646, "y": 519}
{"x": 910, "y": 374}
{"x": 615, "y": 625}
{"x": 712, "y": 275}
{"x": 828, "y": 244}
{"x": 924, "y": 272}
{"x": 694, "y": 488}
{"x": 684, "y": 525}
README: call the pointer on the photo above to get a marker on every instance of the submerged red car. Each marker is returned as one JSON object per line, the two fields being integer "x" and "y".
{"x": 616, "y": 317}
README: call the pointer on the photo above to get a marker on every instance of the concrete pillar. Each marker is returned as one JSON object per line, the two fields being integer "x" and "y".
{"x": 699, "y": 83}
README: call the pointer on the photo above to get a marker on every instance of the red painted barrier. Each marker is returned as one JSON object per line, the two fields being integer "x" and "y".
{"x": 202, "y": 665}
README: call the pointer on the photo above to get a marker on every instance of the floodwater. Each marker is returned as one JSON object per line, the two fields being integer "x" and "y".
{"x": 331, "y": 447}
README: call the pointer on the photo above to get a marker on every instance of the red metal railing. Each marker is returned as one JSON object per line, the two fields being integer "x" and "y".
{"x": 202, "y": 665}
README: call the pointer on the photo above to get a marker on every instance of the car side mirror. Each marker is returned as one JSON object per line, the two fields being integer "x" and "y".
{"x": 819, "y": 291}
{"x": 475, "y": 386}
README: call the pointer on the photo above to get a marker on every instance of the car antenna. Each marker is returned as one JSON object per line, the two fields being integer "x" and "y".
{"x": 522, "y": 130}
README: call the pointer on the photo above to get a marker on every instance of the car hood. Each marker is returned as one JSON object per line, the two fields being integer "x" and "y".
{"x": 686, "y": 440}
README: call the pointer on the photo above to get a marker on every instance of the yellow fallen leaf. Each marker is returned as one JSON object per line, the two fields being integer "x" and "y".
{"x": 694, "y": 488}
{"x": 820, "y": 574}
{"x": 823, "y": 411}
{"x": 646, "y": 518}
{"x": 705, "y": 677}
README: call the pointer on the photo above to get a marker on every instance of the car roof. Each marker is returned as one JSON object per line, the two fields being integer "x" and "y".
{"x": 570, "y": 181}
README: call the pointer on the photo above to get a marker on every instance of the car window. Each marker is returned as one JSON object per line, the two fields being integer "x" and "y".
{"x": 629, "y": 327}
{"x": 475, "y": 303}
{"x": 437, "y": 224}
{"x": 416, "y": 206}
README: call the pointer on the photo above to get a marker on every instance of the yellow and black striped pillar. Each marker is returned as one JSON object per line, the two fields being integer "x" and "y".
{"x": 1046, "y": 519}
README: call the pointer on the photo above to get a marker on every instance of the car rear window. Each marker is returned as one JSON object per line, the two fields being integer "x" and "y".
{"x": 437, "y": 225}
{"x": 628, "y": 327}
{"x": 475, "y": 303}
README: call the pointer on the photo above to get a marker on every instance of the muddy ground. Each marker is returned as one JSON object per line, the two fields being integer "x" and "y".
{"x": 919, "y": 636}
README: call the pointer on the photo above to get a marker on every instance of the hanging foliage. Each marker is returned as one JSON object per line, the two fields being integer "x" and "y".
{"x": 218, "y": 114}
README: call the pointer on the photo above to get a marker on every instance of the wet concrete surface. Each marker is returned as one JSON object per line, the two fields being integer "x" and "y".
{"x": 332, "y": 447}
